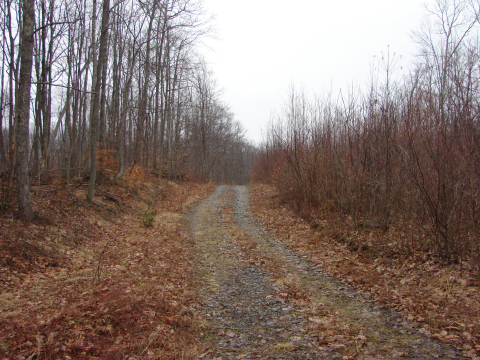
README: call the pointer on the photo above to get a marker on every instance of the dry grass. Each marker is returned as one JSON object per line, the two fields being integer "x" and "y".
{"x": 90, "y": 281}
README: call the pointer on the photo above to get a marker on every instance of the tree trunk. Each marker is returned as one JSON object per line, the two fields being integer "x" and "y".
{"x": 3, "y": 157}
{"x": 22, "y": 111}
{"x": 13, "y": 87}
{"x": 102, "y": 58}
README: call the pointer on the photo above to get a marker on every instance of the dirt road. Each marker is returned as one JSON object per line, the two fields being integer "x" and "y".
{"x": 262, "y": 301}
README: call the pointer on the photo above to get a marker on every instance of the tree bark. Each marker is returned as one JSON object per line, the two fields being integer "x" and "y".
{"x": 13, "y": 87}
{"x": 94, "y": 121}
{"x": 3, "y": 157}
{"x": 22, "y": 112}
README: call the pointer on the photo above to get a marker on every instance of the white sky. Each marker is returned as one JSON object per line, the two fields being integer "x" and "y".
{"x": 264, "y": 46}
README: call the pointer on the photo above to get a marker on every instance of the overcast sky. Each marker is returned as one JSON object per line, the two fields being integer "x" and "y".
{"x": 264, "y": 46}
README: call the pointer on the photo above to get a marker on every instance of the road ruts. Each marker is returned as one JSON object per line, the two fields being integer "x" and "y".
{"x": 245, "y": 318}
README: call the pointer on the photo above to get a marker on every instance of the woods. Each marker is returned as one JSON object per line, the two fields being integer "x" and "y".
{"x": 404, "y": 152}
{"x": 121, "y": 237}
{"x": 116, "y": 84}
{"x": 97, "y": 89}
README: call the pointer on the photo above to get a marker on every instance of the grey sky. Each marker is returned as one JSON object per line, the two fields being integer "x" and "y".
{"x": 264, "y": 46}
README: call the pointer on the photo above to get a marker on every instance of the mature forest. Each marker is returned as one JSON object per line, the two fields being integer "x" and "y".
{"x": 403, "y": 152}
{"x": 110, "y": 86}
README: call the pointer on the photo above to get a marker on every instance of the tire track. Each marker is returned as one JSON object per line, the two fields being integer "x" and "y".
{"x": 248, "y": 314}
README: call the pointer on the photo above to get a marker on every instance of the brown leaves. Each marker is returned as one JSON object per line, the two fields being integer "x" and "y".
{"x": 141, "y": 306}
{"x": 440, "y": 299}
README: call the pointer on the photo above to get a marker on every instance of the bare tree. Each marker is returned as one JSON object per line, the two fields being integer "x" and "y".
{"x": 22, "y": 112}
{"x": 94, "y": 121}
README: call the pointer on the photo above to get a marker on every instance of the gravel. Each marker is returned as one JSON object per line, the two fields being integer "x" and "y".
{"x": 246, "y": 315}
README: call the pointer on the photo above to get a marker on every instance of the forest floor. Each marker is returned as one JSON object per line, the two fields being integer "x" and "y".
{"x": 92, "y": 281}
{"x": 96, "y": 282}
{"x": 440, "y": 300}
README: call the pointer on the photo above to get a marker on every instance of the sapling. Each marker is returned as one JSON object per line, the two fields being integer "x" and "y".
{"x": 148, "y": 216}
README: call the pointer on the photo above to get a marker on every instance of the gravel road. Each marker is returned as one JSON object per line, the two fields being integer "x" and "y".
{"x": 262, "y": 301}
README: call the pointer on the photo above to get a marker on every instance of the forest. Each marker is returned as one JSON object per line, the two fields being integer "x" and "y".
{"x": 92, "y": 89}
{"x": 357, "y": 237}
{"x": 113, "y": 85}
{"x": 401, "y": 153}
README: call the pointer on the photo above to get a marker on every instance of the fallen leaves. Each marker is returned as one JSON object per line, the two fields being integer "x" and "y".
{"x": 96, "y": 285}
{"x": 286, "y": 347}
{"x": 440, "y": 298}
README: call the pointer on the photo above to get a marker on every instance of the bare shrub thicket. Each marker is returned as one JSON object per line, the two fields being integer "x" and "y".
{"x": 405, "y": 153}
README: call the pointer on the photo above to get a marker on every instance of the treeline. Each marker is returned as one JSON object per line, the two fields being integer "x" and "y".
{"x": 405, "y": 153}
{"x": 117, "y": 77}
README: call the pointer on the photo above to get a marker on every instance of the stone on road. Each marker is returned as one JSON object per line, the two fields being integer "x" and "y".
{"x": 251, "y": 311}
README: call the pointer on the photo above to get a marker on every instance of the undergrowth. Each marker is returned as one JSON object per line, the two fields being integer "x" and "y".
{"x": 442, "y": 298}
{"x": 148, "y": 216}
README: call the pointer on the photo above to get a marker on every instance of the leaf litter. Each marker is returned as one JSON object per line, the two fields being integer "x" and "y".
{"x": 439, "y": 300}
{"x": 86, "y": 282}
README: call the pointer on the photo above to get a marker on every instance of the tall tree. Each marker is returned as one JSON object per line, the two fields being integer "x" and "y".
{"x": 22, "y": 112}
{"x": 94, "y": 121}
